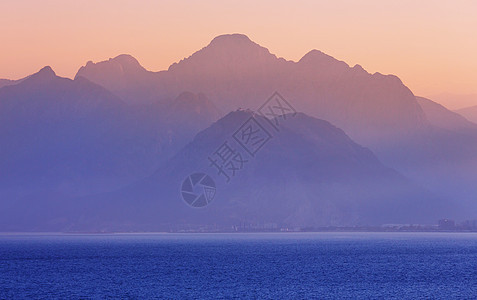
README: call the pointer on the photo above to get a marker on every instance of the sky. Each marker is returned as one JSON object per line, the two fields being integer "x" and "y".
{"x": 430, "y": 45}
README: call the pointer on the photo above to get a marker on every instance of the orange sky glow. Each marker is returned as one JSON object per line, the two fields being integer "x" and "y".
{"x": 430, "y": 45}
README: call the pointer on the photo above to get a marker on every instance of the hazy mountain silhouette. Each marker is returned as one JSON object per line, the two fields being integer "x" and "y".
{"x": 236, "y": 72}
{"x": 192, "y": 111}
{"x": 63, "y": 137}
{"x": 441, "y": 117}
{"x": 117, "y": 122}
{"x": 53, "y": 130}
{"x": 5, "y": 82}
{"x": 308, "y": 174}
{"x": 376, "y": 110}
{"x": 470, "y": 113}
{"x": 124, "y": 76}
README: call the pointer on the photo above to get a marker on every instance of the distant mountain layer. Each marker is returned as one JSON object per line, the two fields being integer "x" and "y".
{"x": 116, "y": 123}
{"x": 470, "y": 113}
{"x": 308, "y": 174}
{"x": 52, "y": 127}
{"x": 419, "y": 138}
{"x": 74, "y": 137}
{"x": 5, "y": 82}
{"x": 125, "y": 77}
{"x": 441, "y": 117}
{"x": 235, "y": 72}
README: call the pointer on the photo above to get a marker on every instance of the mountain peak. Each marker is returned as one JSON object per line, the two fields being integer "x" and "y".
{"x": 120, "y": 73}
{"x": 317, "y": 56}
{"x": 359, "y": 68}
{"x": 44, "y": 75}
{"x": 231, "y": 38}
{"x": 224, "y": 50}
{"x": 46, "y": 71}
{"x": 126, "y": 59}
{"x": 235, "y": 42}
{"x": 119, "y": 65}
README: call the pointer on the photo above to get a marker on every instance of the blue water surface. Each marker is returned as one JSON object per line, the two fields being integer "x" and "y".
{"x": 261, "y": 265}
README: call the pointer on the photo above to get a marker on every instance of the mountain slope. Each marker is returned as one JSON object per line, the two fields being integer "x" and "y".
{"x": 470, "y": 113}
{"x": 309, "y": 174}
{"x": 60, "y": 138}
{"x": 52, "y": 128}
{"x": 5, "y": 82}
{"x": 441, "y": 117}
{"x": 124, "y": 76}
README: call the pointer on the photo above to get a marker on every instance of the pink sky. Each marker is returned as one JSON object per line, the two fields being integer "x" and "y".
{"x": 430, "y": 45}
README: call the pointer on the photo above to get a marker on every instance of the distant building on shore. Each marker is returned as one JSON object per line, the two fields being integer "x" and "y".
{"x": 469, "y": 225}
{"x": 446, "y": 224}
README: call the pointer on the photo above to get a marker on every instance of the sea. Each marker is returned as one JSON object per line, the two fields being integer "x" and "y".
{"x": 239, "y": 266}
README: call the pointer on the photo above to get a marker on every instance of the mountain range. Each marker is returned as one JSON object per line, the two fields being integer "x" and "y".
{"x": 421, "y": 139}
{"x": 235, "y": 72}
{"x": 110, "y": 148}
{"x": 62, "y": 137}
